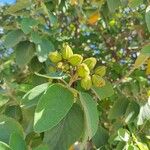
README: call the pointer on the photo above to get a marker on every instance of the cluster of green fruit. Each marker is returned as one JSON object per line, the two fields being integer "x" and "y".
{"x": 83, "y": 69}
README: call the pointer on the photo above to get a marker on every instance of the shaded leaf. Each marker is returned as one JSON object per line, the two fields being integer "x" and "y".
{"x": 113, "y": 5}
{"x": 41, "y": 147}
{"x": 17, "y": 142}
{"x": 7, "y": 127}
{"x": 12, "y": 38}
{"x": 119, "y": 108}
{"x": 101, "y": 137}
{"x": 68, "y": 131}
{"x": 35, "y": 37}
{"x": 27, "y": 24}
{"x": 91, "y": 114}
{"x": 132, "y": 112}
{"x": 43, "y": 49}
{"x": 105, "y": 91}
{"x": 24, "y": 53}
{"x": 14, "y": 111}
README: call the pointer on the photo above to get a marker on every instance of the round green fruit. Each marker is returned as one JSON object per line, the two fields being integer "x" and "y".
{"x": 67, "y": 52}
{"x": 55, "y": 57}
{"x": 101, "y": 71}
{"x": 98, "y": 81}
{"x": 75, "y": 59}
{"x": 86, "y": 83}
{"x": 90, "y": 62}
{"x": 83, "y": 70}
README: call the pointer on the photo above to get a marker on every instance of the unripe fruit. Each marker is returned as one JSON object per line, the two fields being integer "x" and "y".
{"x": 98, "y": 81}
{"x": 75, "y": 59}
{"x": 55, "y": 57}
{"x": 90, "y": 62}
{"x": 83, "y": 70}
{"x": 101, "y": 71}
{"x": 66, "y": 67}
{"x": 67, "y": 52}
{"x": 86, "y": 83}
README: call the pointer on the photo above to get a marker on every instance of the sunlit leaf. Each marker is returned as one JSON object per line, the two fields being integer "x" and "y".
{"x": 53, "y": 106}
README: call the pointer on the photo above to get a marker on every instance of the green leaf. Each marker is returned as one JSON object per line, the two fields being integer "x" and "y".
{"x": 113, "y": 5}
{"x": 24, "y": 53}
{"x": 121, "y": 145}
{"x": 68, "y": 131}
{"x": 142, "y": 146}
{"x": 101, "y": 137}
{"x": 91, "y": 114}
{"x": 105, "y": 91}
{"x": 27, "y": 24}
{"x": 17, "y": 142}
{"x": 132, "y": 147}
{"x": 147, "y": 18}
{"x": 4, "y": 146}
{"x": 32, "y": 97}
{"x": 21, "y": 4}
{"x": 124, "y": 135}
{"x": 119, "y": 108}
{"x": 35, "y": 38}
{"x": 7, "y": 127}
{"x": 41, "y": 147}
{"x": 132, "y": 111}
{"x": 144, "y": 113}
{"x": 43, "y": 49}
{"x": 146, "y": 50}
{"x": 12, "y": 38}
{"x": 3, "y": 100}
{"x": 14, "y": 111}
{"x": 135, "y": 3}
{"x": 53, "y": 106}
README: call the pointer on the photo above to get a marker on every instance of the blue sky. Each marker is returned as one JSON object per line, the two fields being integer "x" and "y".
{"x": 2, "y": 2}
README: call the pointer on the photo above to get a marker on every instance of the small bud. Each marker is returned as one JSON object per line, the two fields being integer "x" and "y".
{"x": 55, "y": 57}
{"x": 83, "y": 70}
{"x": 98, "y": 81}
{"x": 86, "y": 83}
{"x": 60, "y": 65}
{"x": 75, "y": 59}
{"x": 67, "y": 52}
{"x": 101, "y": 71}
{"x": 90, "y": 62}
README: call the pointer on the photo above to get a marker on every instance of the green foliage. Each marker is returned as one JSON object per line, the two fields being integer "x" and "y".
{"x": 67, "y": 131}
{"x": 52, "y": 107}
{"x": 4, "y": 146}
{"x": 75, "y": 73}
{"x": 91, "y": 114}
{"x": 13, "y": 38}
{"x": 17, "y": 142}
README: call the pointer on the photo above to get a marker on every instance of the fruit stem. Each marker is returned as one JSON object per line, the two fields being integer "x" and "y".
{"x": 73, "y": 79}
